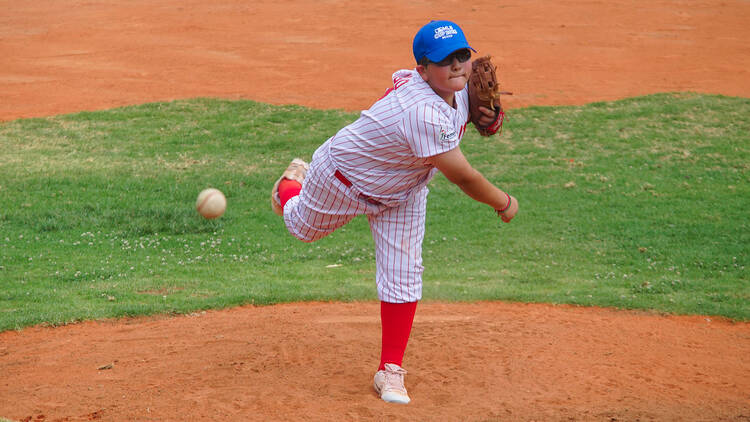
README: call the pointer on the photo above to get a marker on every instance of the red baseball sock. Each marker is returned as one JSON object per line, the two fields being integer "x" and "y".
{"x": 396, "y": 320}
{"x": 288, "y": 189}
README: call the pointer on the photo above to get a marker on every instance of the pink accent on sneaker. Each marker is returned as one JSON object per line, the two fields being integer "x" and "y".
{"x": 389, "y": 383}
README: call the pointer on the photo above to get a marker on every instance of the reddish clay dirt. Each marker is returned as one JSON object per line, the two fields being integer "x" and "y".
{"x": 313, "y": 361}
{"x": 65, "y": 56}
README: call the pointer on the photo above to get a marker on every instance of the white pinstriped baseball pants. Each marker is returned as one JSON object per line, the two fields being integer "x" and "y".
{"x": 325, "y": 204}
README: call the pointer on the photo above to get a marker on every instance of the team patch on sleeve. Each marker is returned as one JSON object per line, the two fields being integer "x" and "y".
{"x": 448, "y": 136}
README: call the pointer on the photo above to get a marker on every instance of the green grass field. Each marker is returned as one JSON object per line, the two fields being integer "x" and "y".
{"x": 639, "y": 204}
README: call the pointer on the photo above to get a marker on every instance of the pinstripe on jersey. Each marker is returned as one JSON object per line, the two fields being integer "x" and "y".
{"x": 384, "y": 156}
{"x": 383, "y": 153}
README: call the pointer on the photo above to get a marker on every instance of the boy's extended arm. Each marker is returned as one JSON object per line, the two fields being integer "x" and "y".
{"x": 457, "y": 169}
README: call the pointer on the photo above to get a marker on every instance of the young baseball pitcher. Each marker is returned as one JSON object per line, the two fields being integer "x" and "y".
{"x": 380, "y": 165}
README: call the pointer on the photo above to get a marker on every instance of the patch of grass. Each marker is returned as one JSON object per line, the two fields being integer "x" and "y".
{"x": 639, "y": 203}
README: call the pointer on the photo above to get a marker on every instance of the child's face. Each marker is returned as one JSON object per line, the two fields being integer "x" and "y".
{"x": 446, "y": 80}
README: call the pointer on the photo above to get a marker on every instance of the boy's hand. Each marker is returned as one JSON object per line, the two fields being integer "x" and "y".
{"x": 488, "y": 116}
{"x": 484, "y": 94}
{"x": 508, "y": 214}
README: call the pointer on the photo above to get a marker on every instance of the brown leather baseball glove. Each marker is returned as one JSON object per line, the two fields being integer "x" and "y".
{"x": 484, "y": 90}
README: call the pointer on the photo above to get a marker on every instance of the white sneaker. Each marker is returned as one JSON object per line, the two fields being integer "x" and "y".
{"x": 389, "y": 383}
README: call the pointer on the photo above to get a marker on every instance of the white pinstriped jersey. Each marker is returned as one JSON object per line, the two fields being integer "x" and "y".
{"x": 384, "y": 152}
{"x": 383, "y": 155}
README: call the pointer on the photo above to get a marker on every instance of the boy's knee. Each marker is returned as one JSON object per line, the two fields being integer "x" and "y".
{"x": 307, "y": 238}
{"x": 302, "y": 231}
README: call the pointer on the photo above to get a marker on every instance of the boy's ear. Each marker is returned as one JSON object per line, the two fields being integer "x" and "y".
{"x": 422, "y": 69}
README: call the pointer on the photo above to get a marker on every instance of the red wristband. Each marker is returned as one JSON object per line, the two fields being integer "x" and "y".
{"x": 498, "y": 123}
{"x": 507, "y": 206}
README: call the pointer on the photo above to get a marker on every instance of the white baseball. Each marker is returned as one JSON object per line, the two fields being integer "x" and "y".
{"x": 211, "y": 203}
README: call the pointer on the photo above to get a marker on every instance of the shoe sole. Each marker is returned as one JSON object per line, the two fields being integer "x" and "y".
{"x": 395, "y": 398}
{"x": 392, "y": 397}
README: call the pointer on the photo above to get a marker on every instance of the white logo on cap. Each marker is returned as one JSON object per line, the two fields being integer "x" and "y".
{"x": 445, "y": 32}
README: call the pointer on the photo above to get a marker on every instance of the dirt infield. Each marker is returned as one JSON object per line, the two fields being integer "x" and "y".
{"x": 468, "y": 362}
{"x": 314, "y": 361}
{"x": 70, "y": 55}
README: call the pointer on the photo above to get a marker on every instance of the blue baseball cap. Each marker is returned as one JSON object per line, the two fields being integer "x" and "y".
{"x": 437, "y": 40}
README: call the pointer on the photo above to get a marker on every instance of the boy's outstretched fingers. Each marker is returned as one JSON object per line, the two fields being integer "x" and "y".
{"x": 508, "y": 214}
